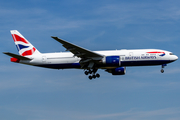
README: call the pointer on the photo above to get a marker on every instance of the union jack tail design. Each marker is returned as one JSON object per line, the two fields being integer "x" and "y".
{"x": 24, "y": 47}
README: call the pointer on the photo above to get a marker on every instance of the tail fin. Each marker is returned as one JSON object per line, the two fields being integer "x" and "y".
{"x": 24, "y": 47}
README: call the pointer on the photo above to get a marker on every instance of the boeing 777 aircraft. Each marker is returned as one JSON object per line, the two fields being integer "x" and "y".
{"x": 114, "y": 61}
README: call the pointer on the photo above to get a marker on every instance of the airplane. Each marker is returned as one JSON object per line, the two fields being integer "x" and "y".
{"x": 112, "y": 61}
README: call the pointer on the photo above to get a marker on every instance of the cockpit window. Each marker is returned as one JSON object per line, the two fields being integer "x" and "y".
{"x": 170, "y": 53}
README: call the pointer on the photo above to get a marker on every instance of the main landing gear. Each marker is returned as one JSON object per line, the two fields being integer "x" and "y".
{"x": 162, "y": 70}
{"x": 93, "y": 72}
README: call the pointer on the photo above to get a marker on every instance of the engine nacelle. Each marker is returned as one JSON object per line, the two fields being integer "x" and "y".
{"x": 111, "y": 60}
{"x": 117, "y": 71}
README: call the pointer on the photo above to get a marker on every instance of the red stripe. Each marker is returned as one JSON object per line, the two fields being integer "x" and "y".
{"x": 29, "y": 52}
{"x": 18, "y": 38}
{"x": 156, "y": 52}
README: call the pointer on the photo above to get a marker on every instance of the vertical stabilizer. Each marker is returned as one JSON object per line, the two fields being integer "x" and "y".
{"x": 24, "y": 47}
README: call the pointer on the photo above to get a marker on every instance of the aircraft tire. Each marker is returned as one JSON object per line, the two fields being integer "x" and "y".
{"x": 90, "y": 77}
{"x": 97, "y": 75}
{"x": 94, "y": 76}
{"x": 86, "y": 73}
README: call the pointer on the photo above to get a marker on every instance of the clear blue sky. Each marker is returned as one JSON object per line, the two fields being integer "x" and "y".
{"x": 32, "y": 93}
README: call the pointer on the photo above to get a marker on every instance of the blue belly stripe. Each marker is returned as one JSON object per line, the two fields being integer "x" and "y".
{"x": 123, "y": 63}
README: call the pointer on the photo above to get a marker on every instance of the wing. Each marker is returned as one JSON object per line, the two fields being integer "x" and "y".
{"x": 79, "y": 51}
{"x": 88, "y": 58}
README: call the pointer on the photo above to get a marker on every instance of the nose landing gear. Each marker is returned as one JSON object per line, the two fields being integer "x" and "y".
{"x": 162, "y": 70}
{"x": 163, "y": 65}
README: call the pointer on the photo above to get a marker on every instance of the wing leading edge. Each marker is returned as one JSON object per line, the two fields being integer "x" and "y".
{"x": 79, "y": 51}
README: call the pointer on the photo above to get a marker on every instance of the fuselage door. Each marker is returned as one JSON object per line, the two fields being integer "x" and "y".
{"x": 131, "y": 54}
{"x": 158, "y": 56}
{"x": 43, "y": 59}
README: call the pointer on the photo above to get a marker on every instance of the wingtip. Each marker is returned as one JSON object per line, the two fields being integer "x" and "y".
{"x": 54, "y": 37}
{"x": 5, "y": 52}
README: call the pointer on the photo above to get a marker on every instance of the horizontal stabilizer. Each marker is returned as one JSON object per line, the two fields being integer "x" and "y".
{"x": 16, "y": 56}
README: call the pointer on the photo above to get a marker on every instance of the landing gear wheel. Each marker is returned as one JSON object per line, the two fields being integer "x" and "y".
{"x": 90, "y": 77}
{"x": 92, "y": 73}
{"x": 94, "y": 76}
{"x": 86, "y": 73}
{"x": 162, "y": 71}
{"x": 97, "y": 75}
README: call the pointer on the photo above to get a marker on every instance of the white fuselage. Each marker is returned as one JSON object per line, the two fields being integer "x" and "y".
{"x": 139, "y": 57}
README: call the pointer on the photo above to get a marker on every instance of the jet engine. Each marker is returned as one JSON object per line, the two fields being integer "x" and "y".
{"x": 111, "y": 60}
{"x": 117, "y": 71}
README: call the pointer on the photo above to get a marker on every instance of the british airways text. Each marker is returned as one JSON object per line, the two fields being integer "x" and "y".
{"x": 140, "y": 57}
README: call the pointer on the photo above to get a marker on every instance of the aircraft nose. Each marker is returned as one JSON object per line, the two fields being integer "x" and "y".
{"x": 175, "y": 57}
